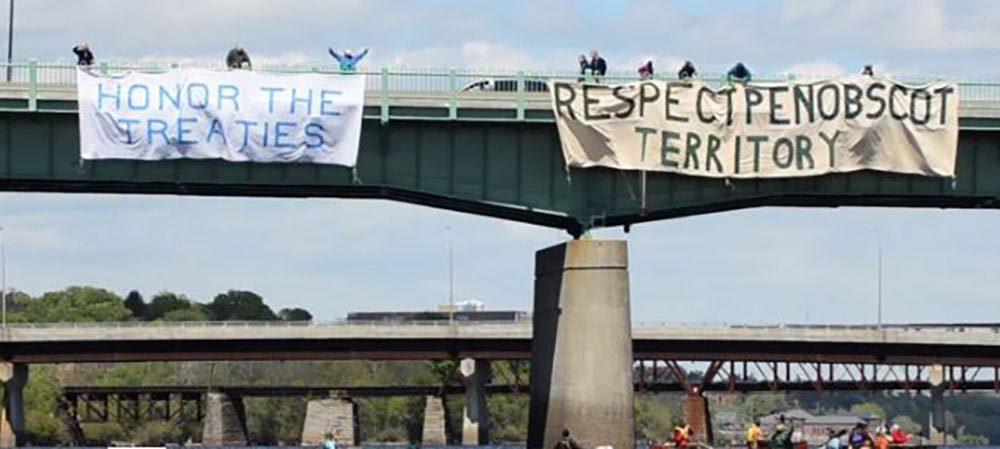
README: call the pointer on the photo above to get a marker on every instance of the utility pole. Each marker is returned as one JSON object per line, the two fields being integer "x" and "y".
{"x": 451, "y": 280}
{"x": 878, "y": 240}
{"x": 3, "y": 277}
{"x": 10, "y": 39}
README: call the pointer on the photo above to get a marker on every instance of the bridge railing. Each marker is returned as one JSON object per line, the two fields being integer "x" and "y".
{"x": 517, "y": 90}
{"x": 524, "y": 322}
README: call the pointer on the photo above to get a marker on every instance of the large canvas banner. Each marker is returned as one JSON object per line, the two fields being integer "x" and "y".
{"x": 236, "y": 115}
{"x": 781, "y": 129}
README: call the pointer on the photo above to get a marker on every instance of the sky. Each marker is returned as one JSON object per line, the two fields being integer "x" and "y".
{"x": 332, "y": 256}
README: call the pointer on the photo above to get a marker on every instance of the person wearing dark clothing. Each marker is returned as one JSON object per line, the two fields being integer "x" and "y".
{"x": 739, "y": 73}
{"x": 584, "y": 65}
{"x": 646, "y": 71}
{"x": 84, "y": 57}
{"x": 597, "y": 64}
{"x": 567, "y": 442}
{"x": 868, "y": 71}
{"x": 688, "y": 71}
{"x": 237, "y": 58}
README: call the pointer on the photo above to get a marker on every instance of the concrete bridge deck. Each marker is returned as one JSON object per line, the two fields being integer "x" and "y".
{"x": 102, "y": 342}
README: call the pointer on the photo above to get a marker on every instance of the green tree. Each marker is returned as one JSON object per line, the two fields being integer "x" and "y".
{"x": 295, "y": 314}
{"x": 75, "y": 304}
{"x": 194, "y": 312}
{"x": 238, "y": 305}
{"x": 135, "y": 303}
{"x": 41, "y": 396}
{"x": 868, "y": 409}
{"x": 164, "y": 303}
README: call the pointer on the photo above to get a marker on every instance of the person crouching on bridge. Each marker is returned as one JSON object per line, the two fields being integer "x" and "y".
{"x": 646, "y": 71}
{"x": 687, "y": 71}
{"x": 237, "y": 58}
{"x": 329, "y": 442}
{"x": 84, "y": 57}
{"x": 598, "y": 66}
{"x": 739, "y": 74}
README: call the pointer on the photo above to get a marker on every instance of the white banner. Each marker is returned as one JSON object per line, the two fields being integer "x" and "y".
{"x": 760, "y": 130}
{"x": 236, "y": 115}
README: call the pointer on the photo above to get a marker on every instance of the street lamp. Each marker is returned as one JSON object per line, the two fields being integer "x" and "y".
{"x": 10, "y": 39}
{"x": 3, "y": 277}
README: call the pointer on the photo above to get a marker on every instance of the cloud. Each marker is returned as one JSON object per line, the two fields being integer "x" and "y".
{"x": 792, "y": 10}
{"x": 817, "y": 68}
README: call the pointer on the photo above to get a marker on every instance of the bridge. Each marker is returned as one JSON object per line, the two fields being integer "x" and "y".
{"x": 485, "y": 143}
{"x": 428, "y": 141}
{"x": 442, "y": 340}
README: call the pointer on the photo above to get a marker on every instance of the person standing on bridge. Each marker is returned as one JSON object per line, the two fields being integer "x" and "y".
{"x": 237, "y": 58}
{"x": 348, "y": 60}
{"x": 84, "y": 57}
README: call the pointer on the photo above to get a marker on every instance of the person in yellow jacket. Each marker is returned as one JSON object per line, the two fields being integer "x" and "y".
{"x": 754, "y": 435}
{"x": 682, "y": 435}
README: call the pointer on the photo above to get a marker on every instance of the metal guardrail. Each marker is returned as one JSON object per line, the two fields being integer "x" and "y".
{"x": 934, "y": 327}
{"x": 519, "y": 90}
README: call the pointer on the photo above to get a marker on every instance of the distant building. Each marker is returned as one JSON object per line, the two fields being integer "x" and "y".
{"x": 815, "y": 428}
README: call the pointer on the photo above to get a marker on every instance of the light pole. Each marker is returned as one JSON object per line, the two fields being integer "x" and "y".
{"x": 10, "y": 39}
{"x": 878, "y": 242}
{"x": 3, "y": 277}
{"x": 451, "y": 278}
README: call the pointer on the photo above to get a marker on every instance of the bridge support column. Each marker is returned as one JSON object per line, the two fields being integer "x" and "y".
{"x": 14, "y": 377}
{"x": 938, "y": 425}
{"x": 476, "y": 419}
{"x": 581, "y": 361}
{"x": 225, "y": 421}
{"x": 337, "y": 416}
{"x": 698, "y": 416}
{"x": 435, "y": 432}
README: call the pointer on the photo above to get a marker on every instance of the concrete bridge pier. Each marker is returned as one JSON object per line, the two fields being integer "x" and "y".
{"x": 336, "y": 415}
{"x": 435, "y": 431}
{"x": 14, "y": 377}
{"x": 581, "y": 361}
{"x": 476, "y": 418}
{"x": 225, "y": 421}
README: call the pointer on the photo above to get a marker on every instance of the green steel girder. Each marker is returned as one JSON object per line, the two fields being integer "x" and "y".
{"x": 505, "y": 169}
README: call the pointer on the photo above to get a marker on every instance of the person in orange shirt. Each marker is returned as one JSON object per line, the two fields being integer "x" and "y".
{"x": 882, "y": 441}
